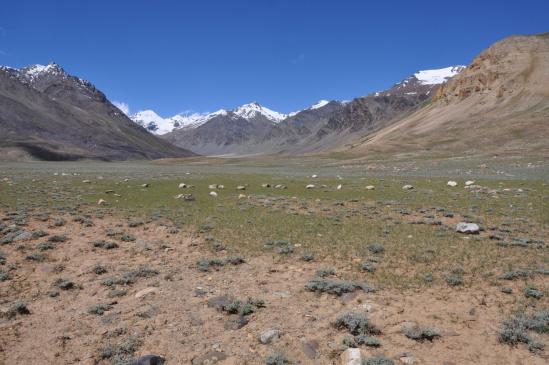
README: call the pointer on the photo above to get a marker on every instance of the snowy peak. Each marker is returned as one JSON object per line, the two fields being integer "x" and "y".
{"x": 320, "y": 104}
{"x": 154, "y": 123}
{"x": 438, "y": 76}
{"x": 252, "y": 110}
{"x": 34, "y": 71}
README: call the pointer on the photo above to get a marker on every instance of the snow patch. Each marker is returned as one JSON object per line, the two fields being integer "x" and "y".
{"x": 438, "y": 76}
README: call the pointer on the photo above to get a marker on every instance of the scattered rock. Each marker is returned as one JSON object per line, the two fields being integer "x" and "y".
{"x": 407, "y": 187}
{"x": 213, "y": 193}
{"x": 241, "y": 196}
{"x": 408, "y": 359}
{"x": 370, "y": 187}
{"x": 209, "y": 358}
{"x": 23, "y": 236}
{"x": 144, "y": 185}
{"x": 310, "y": 186}
{"x": 241, "y": 187}
{"x": 101, "y": 202}
{"x": 310, "y": 348}
{"x": 183, "y": 186}
{"x": 451, "y": 183}
{"x": 235, "y": 322}
{"x": 468, "y": 228}
{"x": 142, "y": 293}
{"x": 339, "y": 187}
{"x": 219, "y": 302}
{"x": 149, "y": 360}
{"x": 469, "y": 182}
{"x": 269, "y": 336}
{"x": 351, "y": 356}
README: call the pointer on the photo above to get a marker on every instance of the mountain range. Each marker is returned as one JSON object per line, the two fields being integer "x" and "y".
{"x": 497, "y": 104}
{"x": 48, "y": 114}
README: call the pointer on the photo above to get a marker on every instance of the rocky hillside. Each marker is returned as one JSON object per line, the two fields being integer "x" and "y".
{"x": 48, "y": 114}
{"x": 498, "y": 104}
{"x": 322, "y": 126}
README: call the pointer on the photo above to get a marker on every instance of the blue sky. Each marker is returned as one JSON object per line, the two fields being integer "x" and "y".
{"x": 175, "y": 56}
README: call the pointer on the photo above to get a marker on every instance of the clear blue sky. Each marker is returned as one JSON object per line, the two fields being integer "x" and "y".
{"x": 173, "y": 56}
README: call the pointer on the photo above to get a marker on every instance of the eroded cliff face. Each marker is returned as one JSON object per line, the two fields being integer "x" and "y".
{"x": 510, "y": 67}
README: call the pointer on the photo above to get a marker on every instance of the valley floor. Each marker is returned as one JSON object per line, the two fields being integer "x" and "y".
{"x": 199, "y": 281}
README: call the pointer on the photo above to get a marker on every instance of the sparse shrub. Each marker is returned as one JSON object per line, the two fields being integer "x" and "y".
{"x": 428, "y": 277}
{"x": 235, "y": 260}
{"x": 516, "y": 274}
{"x": 277, "y": 358}
{"x": 45, "y": 246}
{"x": 515, "y": 330}
{"x": 420, "y": 333}
{"x": 207, "y": 264}
{"x": 378, "y": 361}
{"x": 532, "y": 292}
{"x": 127, "y": 238}
{"x": 325, "y": 271}
{"x": 36, "y": 256}
{"x": 506, "y": 290}
{"x": 104, "y": 244}
{"x": 4, "y": 275}
{"x": 121, "y": 353}
{"x": 59, "y": 222}
{"x": 307, "y": 257}
{"x": 131, "y": 277}
{"x": 58, "y": 238}
{"x": 99, "y": 269}
{"x": 336, "y": 287}
{"x": 20, "y": 308}
{"x": 356, "y": 341}
{"x": 39, "y": 234}
{"x": 2, "y": 258}
{"x": 243, "y": 308}
{"x": 368, "y": 266}
{"x": 64, "y": 284}
{"x": 356, "y": 324}
{"x": 376, "y": 248}
{"x": 135, "y": 223}
{"x": 453, "y": 279}
{"x": 99, "y": 309}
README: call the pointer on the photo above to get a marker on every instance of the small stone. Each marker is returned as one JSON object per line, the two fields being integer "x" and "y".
{"x": 310, "y": 186}
{"x": 370, "y": 187}
{"x": 351, "y": 356}
{"x": 235, "y": 322}
{"x": 339, "y": 187}
{"x": 241, "y": 187}
{"x": 407, "y": 187}
{"x": 183, "y": 186}
{"x": 468, "y": 228}
{"x": 408, "y": 359}
{"x": 146, "y": 291}
{"x": 451, "y": 183}
{"x": 23, "y": 236}
{"x": 149, "y": 360}
{"x": 101, "y": 202}
{"x": 144, "y": 185}
{"x": 241, "y": 196}
{"x": 209, "y": 358}
{"x": 269, "y": 336}
{"x": 213, "y": 193}
{"x": 469, "y": 182}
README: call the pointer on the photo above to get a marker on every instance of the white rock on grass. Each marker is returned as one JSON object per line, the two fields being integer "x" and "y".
{"x": 469, "y": 228}
{"x": 183, "y": 186}
{"x": 451, "y": 183}
{"x": 351, "y": 356}
{"x": 241, "y": 187}
{"x": 339, "y": 187}
{"x": 101, "y": 202}
{"x": 212, "y": 186}
{"x": 407, "y": 187}
{"x": 241, "y": 196}
{"x": 314, "y": 176}
{"x": 213, "y": 193}
{"x": 370, "y": 187}
{"x": 469, "y": 182}
{"x": 310, "y": 186}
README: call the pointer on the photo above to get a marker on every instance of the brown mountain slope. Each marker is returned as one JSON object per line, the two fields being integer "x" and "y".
{"x": 47, "y": 114}
{"x": 498, "y": 104}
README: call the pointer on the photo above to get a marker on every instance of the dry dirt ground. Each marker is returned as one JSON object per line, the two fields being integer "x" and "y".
{"x": 176, "y": 318}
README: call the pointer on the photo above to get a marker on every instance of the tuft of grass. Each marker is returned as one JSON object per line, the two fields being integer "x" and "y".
{"x": 516, "y": 329}
{"x": 276, "y": 358}
{"x": 325, "y": 271}
{"x": 420, "y": 333}
{"x": 532, "y": 292}
{"x": 336, "y": 287}
{"x": 99, "y": 309}
{"x": 356, "y": 324}
{"x": 378, "y": 360}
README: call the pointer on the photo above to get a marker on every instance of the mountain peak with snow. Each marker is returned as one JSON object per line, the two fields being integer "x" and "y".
{"x": 438, "y": 76}
{"x": 253, "y": 109}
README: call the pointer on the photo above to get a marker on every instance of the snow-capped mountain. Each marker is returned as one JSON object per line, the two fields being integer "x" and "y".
{"x": 252, "y": 110}
{"x": 438, "y": 76}
{"x": 423, "y": 82}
